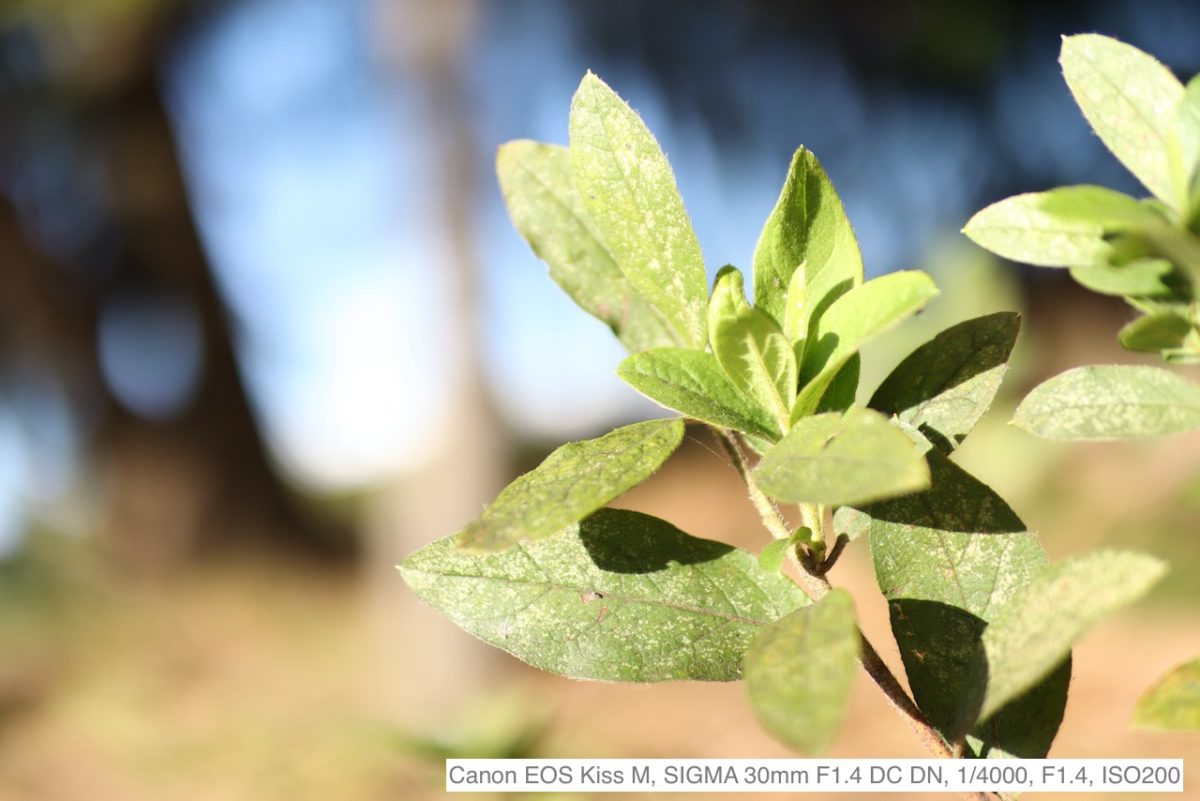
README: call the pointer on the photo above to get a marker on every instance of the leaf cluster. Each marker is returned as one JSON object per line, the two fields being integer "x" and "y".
{"x": 550, "y": 575}
{"x": 1146, "y": 251}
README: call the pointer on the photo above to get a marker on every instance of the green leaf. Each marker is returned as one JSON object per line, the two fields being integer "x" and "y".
{"x": 1114, "y": 212}
{"x": 774, "y": 552}
{"x": 629, "y": 192}
{"x": 692, "y": 383}
{"x": 843, "y": 389}
{"x": 751, "y": 348}
{"x": 851, "y": 522}
{"x": 1110, "y": 402}
{"x": 808, "y": 227}
{"x": 1129, "y": 99}
{"x": 1184, "y": 144}
{"x": 771, "y": 557}
{"x": 620, "y": 596}
{"x": 862, "y": 314}
{"x": 1019, "y": 228}
{"x": 1173, "y": 703}
{"x": 573, "y": 481}
{"x": 1138, "y": 278}
{"x": 838, "y": 458}
{"x": 853, "y": 320}
{"x": 946, "y": 559}
{"x": 800, "y": 670}
{"x": 1183, "y": 356}
{"x": 1155, "y": 332}
{"x": 944, "y": 387}
{"x": 535, "y": 179}
{"x": 796, "y": 310}
{"x": 1035, "y": 629}
{"x": 1187, "y": 122}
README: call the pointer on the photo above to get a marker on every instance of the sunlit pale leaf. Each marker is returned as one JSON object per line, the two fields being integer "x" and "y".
{"x": 620, "y": 596}
{"x": 1021, "y": 229}
{"x": 1034, "y": 630}
{"x": 799, "y": 672}
{"x": 573, "y": 481}
{"x": 751, "y": 348}
{"x": 692, "y": 383}
{"x": 535, "y": 179}
{"x": 807, "y": 226}
{"x": 1184, "y": 143}
{"x": 795, "y": 309}
{"x": 1129, "y": 99}
{"x": 836, "y": 458}
{"x": 1113, "y": 211}
{"x": 629, "y": 192}
{"x": 1110, "y": 402}
{"x": 853, "y": 320}
{"x": 1187, "y": 128}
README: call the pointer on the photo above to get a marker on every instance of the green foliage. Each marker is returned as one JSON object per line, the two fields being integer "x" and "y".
{"x": 1129, "y": 99}
{"x": 843, "y": 387}
{"x": 574, "y": 481}
{"x": 553, "y": 578}
{"x": 619, "y": 596}
{"x": 1141, "y": 278}
{"x": 1173, "y": 703}
{"x": 751, "y": 348}
{"x": 800, "y": 669}
{"x": 692, "y": 383}
{"x": 535, "y": 179}
{"x": 1028, "y": 228}
{"x": 1023, "y": 644}
{"x": 1145, "y": 251}
{"x": 1110, "y": 402}
{"x": 945, "y": 386}
{"x": 1161, "y": 331}
{"x": 629, "y": 192}
{"x": 837, "y": 458}
{"x": 806, "y": 250}
{"x": 773, "y": 553}
{"x": 851, "y": 321}
{"x": 947, "y": 560}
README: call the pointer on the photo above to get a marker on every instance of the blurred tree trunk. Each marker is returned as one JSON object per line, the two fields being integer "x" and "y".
{"x": 216, "y": 447}
{"x": 441, "y": 665}
{"x": 204, "y": 477}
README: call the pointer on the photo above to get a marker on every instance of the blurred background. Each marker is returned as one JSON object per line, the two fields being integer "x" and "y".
{"x": 265, "y": 329}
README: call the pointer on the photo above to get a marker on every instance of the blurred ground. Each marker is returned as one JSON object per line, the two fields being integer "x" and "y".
{"x": 256, "y": 677}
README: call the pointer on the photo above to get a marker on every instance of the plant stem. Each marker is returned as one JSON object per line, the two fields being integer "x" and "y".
{"x": 838, "y": 545}
{"x": 765, "y": 506}
{"x": 816, "y": 587}
{"x": 814, "y": 517}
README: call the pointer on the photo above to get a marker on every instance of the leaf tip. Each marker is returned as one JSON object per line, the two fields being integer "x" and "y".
{"x": 405, "y": 569}
{"x": 592, "y": 81}
{"x": 971, "y": 228}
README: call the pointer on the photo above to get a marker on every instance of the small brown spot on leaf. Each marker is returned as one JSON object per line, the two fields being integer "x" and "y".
{"x": 590, "y": 595}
